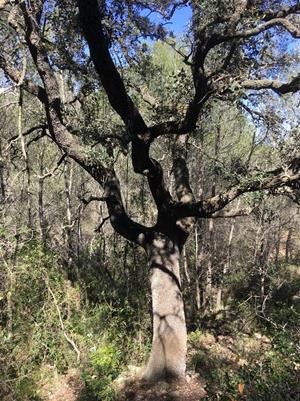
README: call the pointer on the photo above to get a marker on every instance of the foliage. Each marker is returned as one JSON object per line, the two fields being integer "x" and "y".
{"x": 32, "y": 336}
{"x": 253, "y": 367}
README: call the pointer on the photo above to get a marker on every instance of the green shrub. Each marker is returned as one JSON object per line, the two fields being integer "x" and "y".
{"x": 106, "y": 365}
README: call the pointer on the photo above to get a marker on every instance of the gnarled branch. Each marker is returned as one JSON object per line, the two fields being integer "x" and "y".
{"x": 91, "y": 21}
{"x": 70, "y": 144}
{"x": 281, "y": 88}
{"x": 284, "y": 176}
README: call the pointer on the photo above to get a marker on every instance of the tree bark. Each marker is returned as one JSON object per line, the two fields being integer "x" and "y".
{"x": 168, "y": 354}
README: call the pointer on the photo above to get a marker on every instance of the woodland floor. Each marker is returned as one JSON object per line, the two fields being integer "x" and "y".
{"x": 224, "y": 349}
{"x": 191, "y": 389}
{"x": 69, "y": 387}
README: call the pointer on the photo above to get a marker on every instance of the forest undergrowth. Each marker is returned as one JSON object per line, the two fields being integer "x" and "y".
{"x": 59, "y": 342}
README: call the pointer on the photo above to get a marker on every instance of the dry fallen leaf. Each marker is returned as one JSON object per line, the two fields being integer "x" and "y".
{"x": 241, "y": 388}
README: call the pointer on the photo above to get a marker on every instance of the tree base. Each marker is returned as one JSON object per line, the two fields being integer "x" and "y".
{"x": 132, "y": 388}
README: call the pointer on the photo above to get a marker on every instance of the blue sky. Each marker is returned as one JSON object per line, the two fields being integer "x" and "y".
{"x": 179, "y": 21}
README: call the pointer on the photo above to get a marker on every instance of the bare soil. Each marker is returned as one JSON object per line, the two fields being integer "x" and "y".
{"x": 190, "y": 389}
{"x": 59, "y": 387}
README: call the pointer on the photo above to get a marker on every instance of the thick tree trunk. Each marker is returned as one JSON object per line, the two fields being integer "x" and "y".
{"x": 168, "y": 354}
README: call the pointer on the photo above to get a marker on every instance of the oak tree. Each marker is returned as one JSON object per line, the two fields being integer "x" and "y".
{"x": 225, "y": 53}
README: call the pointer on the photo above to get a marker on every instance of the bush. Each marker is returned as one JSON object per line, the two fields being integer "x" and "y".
{"x": 44, "y": 306}
{"x": 105, "y": 367}
{"x": 254, "y": 368}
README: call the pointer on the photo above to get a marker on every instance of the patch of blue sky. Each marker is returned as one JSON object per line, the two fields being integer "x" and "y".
{"x": 180, "y": 20}
{"x": 177, "y": 24}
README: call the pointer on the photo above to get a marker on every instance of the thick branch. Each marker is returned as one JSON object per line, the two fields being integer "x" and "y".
{"x": 283, "y": 12}
{"x": 180, "y": 170}
{"x": 169, "y": 128}
{"x": 90, "y": 199}
{"x": 292, "y": 29}
{"x": 279, "y": 87}
{"x": 29, "y": 131}
{"x": 211, "y": 35}
{"x": 91, "y": 21}
{"x": 281, "y": 177}
{"x": 70, "y": 144}
{"x": 16, "y": 77}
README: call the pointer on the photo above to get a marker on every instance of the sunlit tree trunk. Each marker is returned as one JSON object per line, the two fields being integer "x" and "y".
{"x": 168, "y": 354}
{"x": 261, "y": 258}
